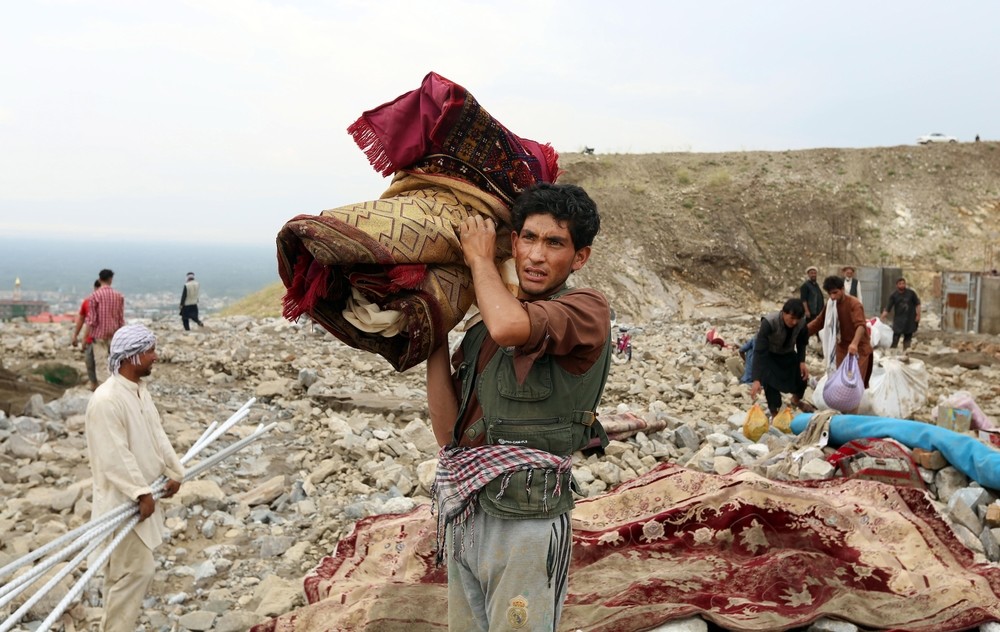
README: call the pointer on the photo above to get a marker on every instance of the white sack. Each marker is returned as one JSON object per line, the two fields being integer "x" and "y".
{"x": 900, "y": 389}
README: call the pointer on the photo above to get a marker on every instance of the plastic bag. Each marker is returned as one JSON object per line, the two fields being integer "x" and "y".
{"x": 964, "y": 399}
{"x": 865, "y": 408}
{"x": 817, "y": 396}
{"x": 783, "y": 420}
{"x": 900, "y": 390}
{"x": 828, "y": 334}
{"x": 880, "y": 333}
{"x": 756, "y": 423}
{"x": 844, "y": 389}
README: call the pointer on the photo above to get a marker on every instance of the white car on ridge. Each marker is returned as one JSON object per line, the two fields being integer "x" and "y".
{"x": 936, "y": 137}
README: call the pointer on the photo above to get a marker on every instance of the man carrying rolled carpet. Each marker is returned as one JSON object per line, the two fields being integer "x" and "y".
{"x": 523, "y": 399}
{"x": 128, "y": 451}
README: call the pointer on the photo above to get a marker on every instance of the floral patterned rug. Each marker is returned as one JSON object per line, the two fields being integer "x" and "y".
{"x": 741, "y": 551}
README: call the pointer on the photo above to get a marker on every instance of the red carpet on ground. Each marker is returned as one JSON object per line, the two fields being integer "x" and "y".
{"x": 739, "y": 550}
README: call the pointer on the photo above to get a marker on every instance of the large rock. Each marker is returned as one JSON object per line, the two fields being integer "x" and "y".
{"x": 275, "y": 596}
{"x": 199, "y": 491}
{"x": 265, "y": 493}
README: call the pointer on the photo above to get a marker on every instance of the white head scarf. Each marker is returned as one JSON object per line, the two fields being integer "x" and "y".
{"x": 127, "y": 343}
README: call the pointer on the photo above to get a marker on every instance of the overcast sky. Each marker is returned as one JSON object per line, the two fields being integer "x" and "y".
{"x": 219, "y": 120}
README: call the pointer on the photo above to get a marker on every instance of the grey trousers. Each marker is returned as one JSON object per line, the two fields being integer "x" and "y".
{"x": 508, "y": 574}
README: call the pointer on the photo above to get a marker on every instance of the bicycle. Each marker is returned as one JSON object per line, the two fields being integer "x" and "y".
{"x": 622, "y": 351}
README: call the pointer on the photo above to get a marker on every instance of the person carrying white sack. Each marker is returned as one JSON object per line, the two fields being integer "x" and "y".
{"x": 128, "y": 451}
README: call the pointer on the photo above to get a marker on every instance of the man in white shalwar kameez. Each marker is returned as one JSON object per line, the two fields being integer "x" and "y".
{"x": 129, "y": 451}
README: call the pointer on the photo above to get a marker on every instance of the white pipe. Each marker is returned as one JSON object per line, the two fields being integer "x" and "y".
{"x": 215, "y": 430}
{"x": 229, "y": 423}
{"x": 225, "y": 452}
{"x": 95, "y": 530}
{"x": 21, "y": 582}
{"x": 77, "y": 588}
{"x": 27, "y": 605}
{"x": 122, "y": 510}
{"x": 194, "y": 448}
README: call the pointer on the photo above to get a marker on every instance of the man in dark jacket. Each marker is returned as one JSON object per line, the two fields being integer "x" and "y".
{"x": 905, "y": 304}
{"x": 189, "y": 302}
{"x": 779, "y": 356}
{"x": 851, "y": 284}
{"x": 811, "y": 294}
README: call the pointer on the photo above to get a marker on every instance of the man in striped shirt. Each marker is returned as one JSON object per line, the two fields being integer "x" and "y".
{"x": 105, "y": 316}
{"x": 88, "y": 340}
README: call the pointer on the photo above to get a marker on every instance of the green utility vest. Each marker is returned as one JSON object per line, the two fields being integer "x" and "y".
{"x": 552, "y": 410}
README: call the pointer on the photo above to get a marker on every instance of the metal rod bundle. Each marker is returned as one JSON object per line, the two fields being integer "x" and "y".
{"x": 90, "y": 535}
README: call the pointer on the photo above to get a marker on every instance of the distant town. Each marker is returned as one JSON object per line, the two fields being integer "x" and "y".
{"x": 52, "y": 277}
{"x": 56, "y": 306}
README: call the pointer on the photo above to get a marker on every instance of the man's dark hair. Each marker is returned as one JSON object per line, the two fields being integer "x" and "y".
{"x": 831, "y": 283}
{"x": 105, "y": 275}
{"x": 903, "y": 279}
{"x": 97, "y": 283}
{"x": 563, "y": 202}
{"x": 794, "y": 307}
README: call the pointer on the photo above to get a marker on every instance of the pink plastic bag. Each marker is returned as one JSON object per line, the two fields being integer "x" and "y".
{"x": 845, "y": 388}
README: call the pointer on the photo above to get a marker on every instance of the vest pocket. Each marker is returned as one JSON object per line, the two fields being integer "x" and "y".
{"x": 536, "y": 388}
{"x": 552, "y": 434}
{"x": 529, "y": 494}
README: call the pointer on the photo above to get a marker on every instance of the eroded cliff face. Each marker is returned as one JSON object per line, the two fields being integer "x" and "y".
{"x": 742, "y": 226}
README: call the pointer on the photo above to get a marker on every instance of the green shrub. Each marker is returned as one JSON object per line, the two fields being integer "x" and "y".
{"x": 719, "y": 178}
{"x": 59, "y": 374}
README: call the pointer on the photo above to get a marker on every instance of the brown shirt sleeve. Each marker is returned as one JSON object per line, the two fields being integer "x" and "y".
{"x": 572, "y": 328}
{"x": 817, "y": 323}
{"x": 854, "y": 313}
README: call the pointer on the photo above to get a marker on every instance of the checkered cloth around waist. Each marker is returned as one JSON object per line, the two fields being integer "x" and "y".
{"x": 463, "y": 472}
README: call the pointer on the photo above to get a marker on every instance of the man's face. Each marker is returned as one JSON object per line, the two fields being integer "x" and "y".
{"x": 901, "y": 285}
{"x": 812, "y": 275}
{"x": 836, "y": 295}
{"x": 848, "y": 273}
{"x": 145, "y": 363}
{"x": 545, "y": 256}
{"x": 790, "y": 319}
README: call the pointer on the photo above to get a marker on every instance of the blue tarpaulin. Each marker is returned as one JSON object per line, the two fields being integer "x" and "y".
{"x": 963, "y": 452}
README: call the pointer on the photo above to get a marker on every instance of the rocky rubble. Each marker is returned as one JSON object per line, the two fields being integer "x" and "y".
{"x": 353, "y": 440}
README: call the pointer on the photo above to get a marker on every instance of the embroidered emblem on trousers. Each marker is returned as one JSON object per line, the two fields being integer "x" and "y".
{"x": 517, "y": 613}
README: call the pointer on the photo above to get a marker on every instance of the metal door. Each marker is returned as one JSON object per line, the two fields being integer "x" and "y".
{"x": 958, "y": 302}
{"x": 870, "y": 280}
{"x": 989, "y": 305}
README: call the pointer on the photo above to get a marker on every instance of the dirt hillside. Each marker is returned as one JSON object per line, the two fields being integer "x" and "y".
{"x": 744, "y": 225}
{"x": 681, "y": 231}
